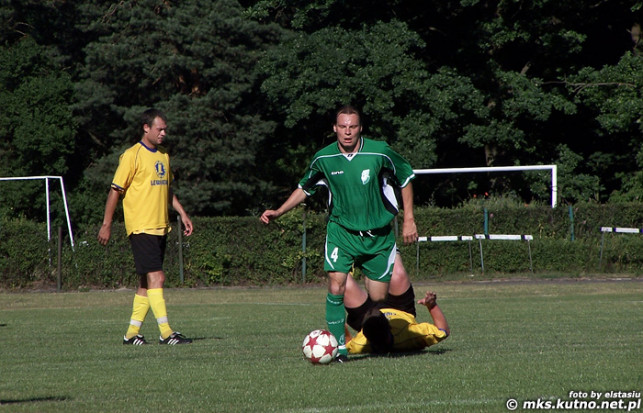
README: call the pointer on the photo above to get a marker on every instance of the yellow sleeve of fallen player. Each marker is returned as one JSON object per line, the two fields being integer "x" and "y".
{"x": 358, "y": 344}
{"x": 418, "y": 336}
{"x": 408, "y": 334}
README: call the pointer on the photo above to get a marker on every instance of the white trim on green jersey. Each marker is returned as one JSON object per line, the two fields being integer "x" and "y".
{"x": 363, "y": 186}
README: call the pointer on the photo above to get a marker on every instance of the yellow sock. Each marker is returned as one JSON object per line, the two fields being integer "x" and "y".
{"x": 139, "y": 311}
{"x": 157, "y": 302}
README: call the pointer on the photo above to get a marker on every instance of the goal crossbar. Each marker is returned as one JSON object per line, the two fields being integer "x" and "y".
{"x": 552, "y": 168}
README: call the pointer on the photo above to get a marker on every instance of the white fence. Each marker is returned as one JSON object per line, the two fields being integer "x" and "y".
{"x": 619, "y": 230}
{"x": 469, "y": 239}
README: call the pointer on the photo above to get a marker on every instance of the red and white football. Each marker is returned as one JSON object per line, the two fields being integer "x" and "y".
{"x": 319, "y": 347}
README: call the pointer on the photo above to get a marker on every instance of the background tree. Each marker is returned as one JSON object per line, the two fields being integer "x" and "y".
{"x": 194, "y": 60}
{"x": 374, "y": 68}
{"x": 516, "y": 58}
{"x": 251, "y": 87}
{"x": 613, "y": 97}
{"x": 37, "y": 128}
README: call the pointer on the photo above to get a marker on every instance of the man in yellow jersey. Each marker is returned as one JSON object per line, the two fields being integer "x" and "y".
{"x": 143, "y": 179}
{"x": 391, "y": 326}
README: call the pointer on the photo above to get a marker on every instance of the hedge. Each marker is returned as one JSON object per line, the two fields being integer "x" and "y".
{"x": 241, "y": 251}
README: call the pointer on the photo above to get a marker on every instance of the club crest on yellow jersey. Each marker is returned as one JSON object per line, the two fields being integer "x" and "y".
{"x": 161, "y": 172}
{"x": 160, "y": 169}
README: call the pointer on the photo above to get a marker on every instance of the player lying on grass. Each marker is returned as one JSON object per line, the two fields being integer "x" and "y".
{"x": 391, "y": 325}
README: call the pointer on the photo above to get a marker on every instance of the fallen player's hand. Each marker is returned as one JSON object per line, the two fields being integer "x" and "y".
{"x": 429, "y": 300}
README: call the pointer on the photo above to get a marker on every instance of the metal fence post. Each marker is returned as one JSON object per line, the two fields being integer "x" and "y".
{"x": 178, "y": 220}
{"x": 303, "y": 248}
{"x": 60, "y": 258}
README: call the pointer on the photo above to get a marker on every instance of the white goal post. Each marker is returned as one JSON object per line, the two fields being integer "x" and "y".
{"x": 552, "y": 168}
{"x": 62, "y": 191}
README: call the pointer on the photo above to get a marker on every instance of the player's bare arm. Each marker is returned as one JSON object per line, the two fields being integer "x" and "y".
{"x": 409, "y": 229}
{"x": 185, "y": 218}
{"x": 297, "y": 197}
{"x": 430, "y": 300}
{"x": 105, "y": 232}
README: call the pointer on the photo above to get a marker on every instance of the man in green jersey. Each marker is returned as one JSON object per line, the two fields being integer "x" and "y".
{"x": 364, "y": 178}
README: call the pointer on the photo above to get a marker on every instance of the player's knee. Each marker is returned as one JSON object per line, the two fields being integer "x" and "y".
{"x": 155, "y": 279}
{"x": 377, "y": 296}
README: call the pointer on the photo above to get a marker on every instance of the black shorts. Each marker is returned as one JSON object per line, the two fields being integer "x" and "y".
{"x": 404, "y": 302}
{"x": 149, "y": 252}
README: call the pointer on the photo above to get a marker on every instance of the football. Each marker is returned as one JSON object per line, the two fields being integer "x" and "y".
{"x": 319, "y": 347}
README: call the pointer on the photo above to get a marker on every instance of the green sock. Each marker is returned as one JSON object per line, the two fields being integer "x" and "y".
{"x": 335, "y": 318}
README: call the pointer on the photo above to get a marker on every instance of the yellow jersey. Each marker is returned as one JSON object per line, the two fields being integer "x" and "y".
{"x": 143, "y": 176}
{"x": 408, "y": 334}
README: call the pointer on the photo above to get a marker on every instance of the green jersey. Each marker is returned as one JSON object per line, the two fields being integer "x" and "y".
{"x": 363, "y": 186}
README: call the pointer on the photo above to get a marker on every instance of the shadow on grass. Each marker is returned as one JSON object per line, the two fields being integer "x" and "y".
{"x": 35, "y": 400}
{"x": 206, "y": 338}
{"x": 436, "y": 352}
{"x": 194, "y": 339}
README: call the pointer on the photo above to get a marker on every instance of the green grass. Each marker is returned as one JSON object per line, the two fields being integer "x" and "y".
{"x": 522, "y": 340}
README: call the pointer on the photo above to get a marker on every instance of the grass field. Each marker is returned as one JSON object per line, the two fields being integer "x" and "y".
{"x": 519, "y": 340}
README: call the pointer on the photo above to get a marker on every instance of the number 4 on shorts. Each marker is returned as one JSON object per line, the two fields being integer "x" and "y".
{"x": 335, "y": 254}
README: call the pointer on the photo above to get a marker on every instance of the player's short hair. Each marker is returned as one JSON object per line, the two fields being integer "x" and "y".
{"x": 377, "y": 331}
{"x": 348, "y": 110}
{"x": 147, "y": 117}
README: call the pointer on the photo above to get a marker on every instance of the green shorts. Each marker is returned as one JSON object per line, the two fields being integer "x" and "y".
{"x": 371, "y": 251}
